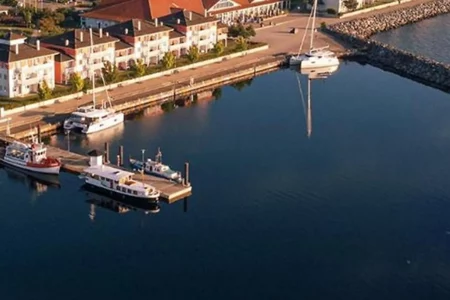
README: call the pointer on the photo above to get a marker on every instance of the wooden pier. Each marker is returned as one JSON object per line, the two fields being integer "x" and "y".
{"x": 75, "y": 163}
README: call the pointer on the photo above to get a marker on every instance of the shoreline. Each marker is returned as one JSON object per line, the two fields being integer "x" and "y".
{"x": 348, "y": 46}
{"x": 357, "y": 35}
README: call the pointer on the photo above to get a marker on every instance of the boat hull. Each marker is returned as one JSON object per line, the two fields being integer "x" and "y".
{"x": 102, "y": 189}
{"x": 114, "y": 120}
{"x": 23, "y": 166}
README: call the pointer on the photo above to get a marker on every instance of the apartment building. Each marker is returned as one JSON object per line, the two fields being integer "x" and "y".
{"x": 232, "y": 11}
{"x": 199, "y": 30}
{"x": 77, "y": 55}
{"x": 148, "y": 40}
{"x": 23, "y": 67}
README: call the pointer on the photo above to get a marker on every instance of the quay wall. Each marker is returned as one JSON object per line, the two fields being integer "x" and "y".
{"x": 184, "y": 89}
{"x": 357, "y": 33}
{"x": 5, "y": 113}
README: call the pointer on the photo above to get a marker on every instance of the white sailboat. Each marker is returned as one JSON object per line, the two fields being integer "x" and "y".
{"x": 90, "y": 119}
{"x": 315, "y": 57}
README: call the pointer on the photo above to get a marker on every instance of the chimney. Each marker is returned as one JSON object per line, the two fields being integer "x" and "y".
{"x": 38, "y": 45}
{"x": 178, "y": 21}
{"x": 67, "y": 42}
{"x": 139, "y": 25}
{"x": 126, "y": 30}
{"x": 81, "y": 36}
{"x": 162, "y": 24}
{"x": 190, "y": 16}
{"x": 17, "y": 49}
{"x": 100, "y": 32}
{"x": 206, "y": 13}
{"x": 156, "y": 22}
{"x": 107, "y": 33}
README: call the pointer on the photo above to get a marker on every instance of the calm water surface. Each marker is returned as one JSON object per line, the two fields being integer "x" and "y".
{"x": 360, "y": 210}
{"x": 429, "y": 38}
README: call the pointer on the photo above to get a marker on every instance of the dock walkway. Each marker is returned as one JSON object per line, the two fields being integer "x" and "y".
{"x": 75, "y": 163}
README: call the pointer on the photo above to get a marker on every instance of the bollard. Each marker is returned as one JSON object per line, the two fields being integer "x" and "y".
{"x": 121, "y": 154}
{"x": 186, "y": 174}
{"x": 118, "y": 160}
{"x": 106, "y": 152}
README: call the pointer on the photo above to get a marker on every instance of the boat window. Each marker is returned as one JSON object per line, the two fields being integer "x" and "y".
{"x": 135, "y": 192}
{"x": 118, "y": 188}
{"x": 124, "y": 190}
{"x": 129, "y": 191}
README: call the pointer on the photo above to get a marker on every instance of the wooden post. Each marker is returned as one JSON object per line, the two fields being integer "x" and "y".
{"x": 121, "y": 155}
{"x": 186, "y": 174}
{"x": 106, "y": 152}
{"x": 118, "y": 160}
{"x": 39, "y": 133}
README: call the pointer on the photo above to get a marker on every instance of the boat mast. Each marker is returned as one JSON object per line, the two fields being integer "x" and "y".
{"x": 306, "y": 32}
{"x": 313, "y": 27}
{"x": 158, "y": 157}
{"x": 91, "y": 63}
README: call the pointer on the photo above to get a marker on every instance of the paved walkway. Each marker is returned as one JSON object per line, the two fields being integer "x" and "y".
{"x": 278, "y": 38}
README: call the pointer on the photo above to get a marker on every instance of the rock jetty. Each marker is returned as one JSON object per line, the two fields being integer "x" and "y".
{"x": 358, "y": 32}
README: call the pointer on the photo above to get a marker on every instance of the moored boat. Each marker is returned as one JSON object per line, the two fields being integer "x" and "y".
{"x": 156, "y": 167}
{"x": 114, "y": 181}
{"x": 315, "y": 57}
{"x": 30, "y": 157}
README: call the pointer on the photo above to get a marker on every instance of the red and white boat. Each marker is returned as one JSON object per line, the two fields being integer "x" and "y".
{"x": 31, "y": 157}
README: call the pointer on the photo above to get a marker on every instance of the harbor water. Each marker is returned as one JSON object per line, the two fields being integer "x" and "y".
{"x": 357, "y": 210}
{"x": 429, "y": 38}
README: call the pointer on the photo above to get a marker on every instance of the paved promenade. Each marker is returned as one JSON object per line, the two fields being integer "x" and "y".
{"x": 278, "y": 38}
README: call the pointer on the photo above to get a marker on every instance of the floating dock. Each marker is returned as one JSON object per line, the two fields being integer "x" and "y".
{"x": 76, "y": 163}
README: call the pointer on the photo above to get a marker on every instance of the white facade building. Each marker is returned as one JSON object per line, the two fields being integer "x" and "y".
{"x": 24, "y": 67}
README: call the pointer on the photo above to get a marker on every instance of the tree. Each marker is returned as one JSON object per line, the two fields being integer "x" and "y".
{"x": 168, "y": 60}
{"x": 219, "y": 48}
{"x": 240, "y": 30}
{"x": 138, "y": 68}
{"x": 193, "y": 53}
{"x": 48, "y": 26}
{"x": 241, "y": 44}
{"x": 250, "y": 31}
{"x": 110, "y": 72}
{"x": 76, "y": 82}
{"x": 350, "y": 4}
{"x": 44, "y": 91}
{"x": 27, "y": 16}
{"x": 87, "y": 84}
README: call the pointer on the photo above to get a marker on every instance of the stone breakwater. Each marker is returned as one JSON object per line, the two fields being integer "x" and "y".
{"x": 357, "y": 33}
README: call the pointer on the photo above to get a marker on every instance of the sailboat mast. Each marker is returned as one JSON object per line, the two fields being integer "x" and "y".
{"x": 313, "y": 27}
{"x": 90, "y": 64}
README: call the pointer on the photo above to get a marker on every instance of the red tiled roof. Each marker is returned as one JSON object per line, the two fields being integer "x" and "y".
{"x": 122, "y": 10}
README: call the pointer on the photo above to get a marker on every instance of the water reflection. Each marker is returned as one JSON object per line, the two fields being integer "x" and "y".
{"x": 318, "y": 73}
{"x": 36, "y": 183}
{"x": 121, "y": 207}
{"x": 93, "y": 140}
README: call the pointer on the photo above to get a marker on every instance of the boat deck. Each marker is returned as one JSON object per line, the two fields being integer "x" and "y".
{"x": 76, "y": 163}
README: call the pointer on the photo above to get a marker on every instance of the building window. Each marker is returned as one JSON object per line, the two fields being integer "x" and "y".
{"x": 222, "y": 4}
